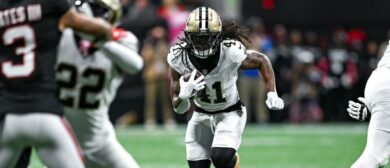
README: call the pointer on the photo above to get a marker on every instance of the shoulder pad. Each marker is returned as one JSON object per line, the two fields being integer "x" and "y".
{"x": 234, "y": 50}
{"x": 176, "y": 55}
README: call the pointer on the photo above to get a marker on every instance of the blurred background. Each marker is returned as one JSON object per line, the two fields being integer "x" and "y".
{"x": 322, "y": 52}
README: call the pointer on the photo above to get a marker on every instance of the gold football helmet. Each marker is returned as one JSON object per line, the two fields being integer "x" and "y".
{"x": 203, "y": 31}
{"x": 109, "y": 10}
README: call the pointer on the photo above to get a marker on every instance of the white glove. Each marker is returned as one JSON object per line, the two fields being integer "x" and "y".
{"x": 274, "y": 102}
{"x": 189, "y": 88}
{"x": 358, "y": 110}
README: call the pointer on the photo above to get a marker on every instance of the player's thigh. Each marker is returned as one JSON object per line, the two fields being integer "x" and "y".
{"x": 9, "y": 156}
{"x": 229, "y": 129}
{"x": 377, "y": 149}
{"x": 378, "y": 136}
{"x": 59, "y": 146}
{"x": 113, "y": 155}
{"x": 24, "y": 158}
{"x": 198, "y": 138}
{"x": 377, "y": 87}
{"x": 12, "y": 139}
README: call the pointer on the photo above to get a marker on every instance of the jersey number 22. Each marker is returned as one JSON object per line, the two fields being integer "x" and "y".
{"x": 85, "y": 90}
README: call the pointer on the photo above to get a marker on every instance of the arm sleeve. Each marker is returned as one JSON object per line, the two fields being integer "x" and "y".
{"x": 124, "y": 53}
{"x": 125, "y": 58}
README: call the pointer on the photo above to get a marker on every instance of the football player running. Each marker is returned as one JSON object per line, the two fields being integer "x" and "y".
{"x": 89, "y": 74}
{"x": 375, "y": 104}
{"x": 203, "y": 68}
{"x": 30, "y": 112}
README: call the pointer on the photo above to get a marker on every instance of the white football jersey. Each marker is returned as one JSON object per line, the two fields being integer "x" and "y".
{"x": 87, "y": 86}
{"x": 385, "y": 60}
{"x": 221, "y": 88}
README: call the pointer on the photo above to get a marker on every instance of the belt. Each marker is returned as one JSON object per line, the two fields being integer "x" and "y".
{"x": 234, "y": 107}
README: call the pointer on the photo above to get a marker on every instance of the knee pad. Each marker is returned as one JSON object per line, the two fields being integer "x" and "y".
{"x": 199, "y": 164}
{"x": 223, "y": 157}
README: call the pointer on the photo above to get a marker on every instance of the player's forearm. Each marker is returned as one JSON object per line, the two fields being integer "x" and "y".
{"x": 268, "y": 75}
{"x": 180, "y": 106}
{"x": 86, "y": 24}
{"x": 259, "y": 61}
{"x": 124, "y": 57}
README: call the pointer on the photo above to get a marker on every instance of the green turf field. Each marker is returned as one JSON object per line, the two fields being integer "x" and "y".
{"x": 271, "y": 146}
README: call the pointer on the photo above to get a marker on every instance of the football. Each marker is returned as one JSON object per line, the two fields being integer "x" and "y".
{"x": 188, "y": 75}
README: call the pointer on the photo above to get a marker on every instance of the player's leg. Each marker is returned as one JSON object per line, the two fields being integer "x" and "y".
{"x": 198, "y": 141}
{"x": 377, "y": 149}
{"x": 227, "y": 138}
{"x": 9, "y": 156}
{"x": 12, "y": 140}
{"x": 113, "y": 155}
{"x": 58, "y": 147}
{"x": 24, "y": 158}
{"x": 377, "y": 97}
{"x": 238, "y": 161}
{"x": 200, "y": 163}
{"x": 223, "y": 157}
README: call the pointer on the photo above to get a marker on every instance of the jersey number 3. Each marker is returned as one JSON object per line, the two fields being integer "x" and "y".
{"x": 26, "y": 68}
{"x": 85, "y": 89}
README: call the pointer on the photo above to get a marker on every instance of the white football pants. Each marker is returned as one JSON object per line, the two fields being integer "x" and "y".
{"x": 377, "y": 94}
{"x": 49, "y": 134}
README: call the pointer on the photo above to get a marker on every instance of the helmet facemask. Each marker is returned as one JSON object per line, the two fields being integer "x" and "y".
{"x": 203, "y": 44}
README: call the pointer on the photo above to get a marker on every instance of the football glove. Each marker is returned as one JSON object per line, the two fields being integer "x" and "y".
{"x": 358, "y": 110}
{"x": 190, "y": 87}
{"x": 274, "y": 102}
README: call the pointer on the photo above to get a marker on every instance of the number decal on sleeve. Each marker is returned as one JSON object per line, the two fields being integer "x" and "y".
{"x": 10, "y": 36}
{"x": 217, "y": 87}
{"x": 70, "y": 83}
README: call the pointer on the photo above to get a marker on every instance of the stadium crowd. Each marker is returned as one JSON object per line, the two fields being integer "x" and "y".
{"x": 316, "y": 72}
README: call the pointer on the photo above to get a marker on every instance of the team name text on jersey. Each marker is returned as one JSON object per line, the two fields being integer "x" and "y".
{"x": 19, "y": 14}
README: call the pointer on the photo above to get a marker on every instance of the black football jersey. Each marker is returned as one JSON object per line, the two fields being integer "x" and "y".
{"x": 29, "y": 36}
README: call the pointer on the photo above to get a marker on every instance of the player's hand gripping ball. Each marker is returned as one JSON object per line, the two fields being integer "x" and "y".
{"x": 190, "y": 84}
